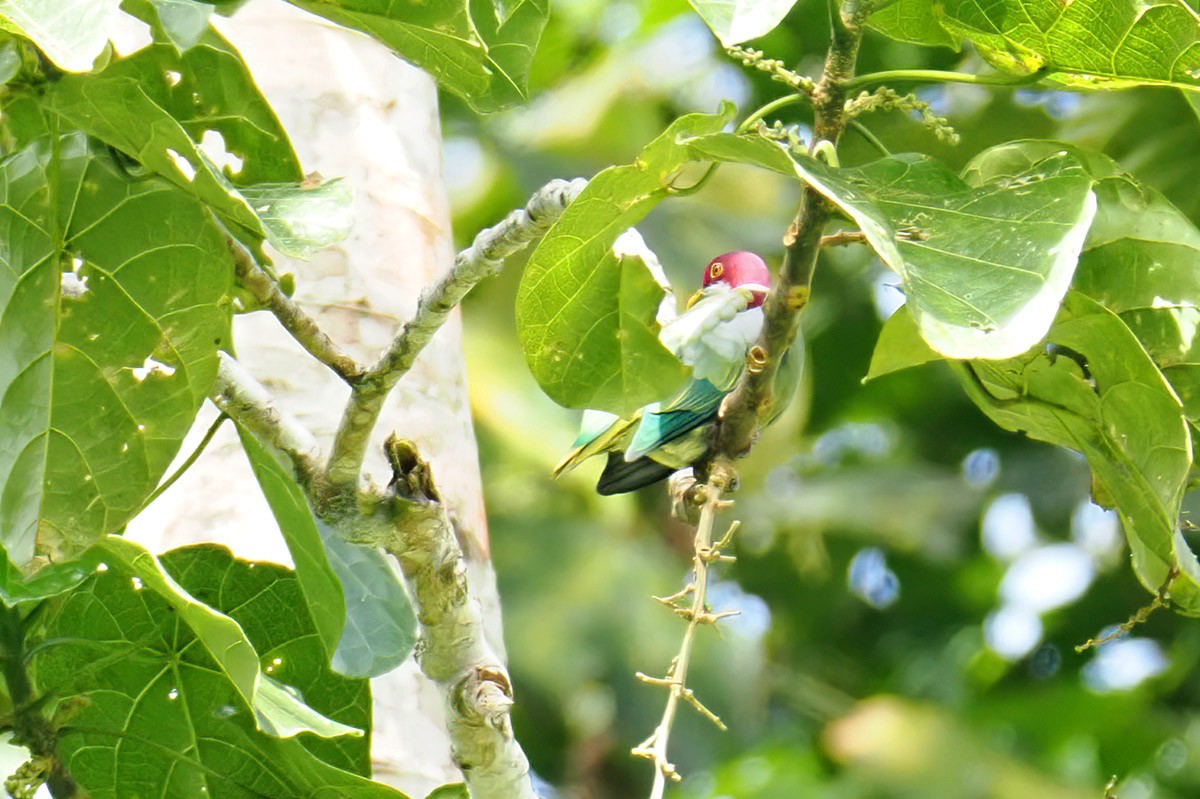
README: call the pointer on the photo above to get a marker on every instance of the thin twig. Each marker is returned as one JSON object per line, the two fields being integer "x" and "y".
{"x": 291, "y": 316}
{"x": 1161, "y": 598}
{"x": 655, "y": 748}
{"x": 483, "y": 258}
{"x": 843, "y": 237}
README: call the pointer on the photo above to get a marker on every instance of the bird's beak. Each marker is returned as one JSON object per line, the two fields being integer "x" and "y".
{"x": 695, "y": 298}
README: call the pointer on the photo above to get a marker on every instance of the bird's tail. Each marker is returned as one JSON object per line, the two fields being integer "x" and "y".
{"x": 604, "y": 441}
{"x": 621, "y": 476}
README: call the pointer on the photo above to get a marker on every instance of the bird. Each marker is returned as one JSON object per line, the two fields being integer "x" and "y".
{"x": 714, "y": 336}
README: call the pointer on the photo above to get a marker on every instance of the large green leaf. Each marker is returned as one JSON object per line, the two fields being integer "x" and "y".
{"x": 737, "y": 21}
{"x": 984, "y": 262}
{"x": 586, "y": 316}
{"x": 1141, "y": 260}
{"x": 114, "y": 298}
{"x": 1095, "y": 390}
{"x": 207, "y": 90}
{"x": 1086, "y": 44}
{"x": 360, "y": 608}
{"x": 161, "y": 719}
{"x": 72, "y": 33}
{"x": 478, "y": 49}
{"x": 276, "y": 711}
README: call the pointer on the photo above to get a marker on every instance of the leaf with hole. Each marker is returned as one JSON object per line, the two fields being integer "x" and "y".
{"x": 113, "y": 306}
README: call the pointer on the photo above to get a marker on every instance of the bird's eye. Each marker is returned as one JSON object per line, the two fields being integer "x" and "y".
{"x": 716, "y": 270}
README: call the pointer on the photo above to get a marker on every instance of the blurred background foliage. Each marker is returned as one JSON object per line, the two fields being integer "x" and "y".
{"x": 912, "y": 581}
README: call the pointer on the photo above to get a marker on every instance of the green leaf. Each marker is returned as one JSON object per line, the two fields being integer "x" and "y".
{"x": 136, "y": 106}
{"x": 911, "y": 21}
{"x": 1085, "y": 44}
{"x": 585, "y": 316}
{"x": 381, "y": 626}
{"x": 356, "y": 600}
{"x": 1139, "y": 260}
{"x": 456, "y": 791}
{"x": 277, "y": 712}
{"x": 1096, "y": 391}
{"x": 161, "y": 718}
{"x": 156, "y": 105}
{"x": 985, "y": 263}
{"x": 737, "y": 21}
{"x": 72, "y": 33}
{"x": 900, "y": 346}
{"x": 322, "y": 592}
{"x": 210, "y": 92}
{"x": 302, "y": 219}
{"x": 478, "y": 49}
{"x": 113, "y": 304}
{"x": 183, "y": 22}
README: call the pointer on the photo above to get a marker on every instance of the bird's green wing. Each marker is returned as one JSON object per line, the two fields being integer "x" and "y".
{"x": 696, "y": 404}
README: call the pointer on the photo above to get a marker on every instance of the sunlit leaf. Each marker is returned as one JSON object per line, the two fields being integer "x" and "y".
{"x": 984, "y": 263}
{"x": 114, "y": 302}
{"x": 301, "y": 219}
{"x": 479, "y": 50}
{"x": 72, "y": 33}
{"x": 1140, "y": 260}
{"x": 1085, "y": 44}
{"x": 157, "y": 106}
{"x": 587, "y": 318}
{"x": 737, "y": 21}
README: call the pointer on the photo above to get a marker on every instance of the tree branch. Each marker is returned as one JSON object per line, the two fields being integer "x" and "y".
{"x": 483, "y": 258}
{"x": 291, "y": 316}
{"x": 247, "y": 402}
{"x": 754, "y": 395}
{"x": 412, "y": 524}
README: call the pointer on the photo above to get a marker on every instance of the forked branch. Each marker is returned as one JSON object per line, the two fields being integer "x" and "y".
{"x": 483, "y": 258}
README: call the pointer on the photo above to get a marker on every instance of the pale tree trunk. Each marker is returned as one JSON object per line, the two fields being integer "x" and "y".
{"x": 355, "y": 110}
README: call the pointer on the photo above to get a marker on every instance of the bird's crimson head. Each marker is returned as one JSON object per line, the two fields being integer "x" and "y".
{"x": 740, "y": 269}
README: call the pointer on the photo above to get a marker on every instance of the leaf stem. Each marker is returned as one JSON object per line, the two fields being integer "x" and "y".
{"x": 754, "y": 395}
{"x": 188, "y": 463}
{"x": 30, "y": 728}
{"x": 872, "y": 139}
{"x": 939, "y": 76}
{"x": 770, "y": 108}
